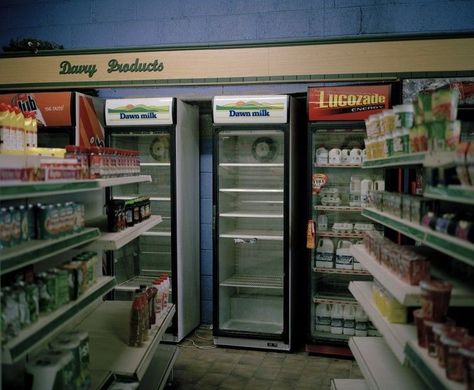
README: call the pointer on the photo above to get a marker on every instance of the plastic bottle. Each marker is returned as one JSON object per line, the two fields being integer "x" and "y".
{"x": 349, "y": 319}
{"x": 323, "y": 317}
{"x": 28, "y": 135}
{"x": 19, "y": 129}
{"x": 4, "y": 128}
{"x": 361, "y": 322}
{"x": 337, "y": 318}
{"x": 325, "y": 253}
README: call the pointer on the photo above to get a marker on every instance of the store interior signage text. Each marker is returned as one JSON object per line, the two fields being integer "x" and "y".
{"x": 113, "y": 65}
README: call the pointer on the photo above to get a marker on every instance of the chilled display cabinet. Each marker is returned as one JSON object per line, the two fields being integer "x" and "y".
{"x": 165, "y": 133}
{"x": 339, "y": 190}
{"x": 253, "y": 266}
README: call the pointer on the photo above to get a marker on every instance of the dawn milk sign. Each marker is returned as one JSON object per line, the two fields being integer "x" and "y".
{"x": 139, "y": 112}
{"x": 250, "y": 109}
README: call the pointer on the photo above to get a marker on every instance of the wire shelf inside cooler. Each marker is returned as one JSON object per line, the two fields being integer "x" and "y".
{"x": 254, "y": 281}
{"x": 252, "y": 326}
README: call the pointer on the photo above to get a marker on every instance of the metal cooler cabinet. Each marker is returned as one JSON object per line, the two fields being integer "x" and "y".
{"x": 165, "y": 131}
{"x": 252, "y": 221}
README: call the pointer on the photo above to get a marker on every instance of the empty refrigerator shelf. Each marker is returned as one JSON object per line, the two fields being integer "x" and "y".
{"x": 252, "y": 326}
{"x": 258, "y": 234}
{"x": 236, "y": 214}
{"x": 157, "y": 234}
{"x": 327, "y": 297}
{"x": 253, "y": 281}
{"x": 153, "y": 198}
{"x": 135, "y": 282}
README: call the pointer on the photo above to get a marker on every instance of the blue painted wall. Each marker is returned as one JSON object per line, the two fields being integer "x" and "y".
{"x": 119, "y": 23}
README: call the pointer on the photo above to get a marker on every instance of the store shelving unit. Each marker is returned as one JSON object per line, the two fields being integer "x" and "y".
{"x": 331, "y": 166}
{"x": 330, "y": 233}
{"x": 34, "y": 251}
{"x": 32, "y": 338}
{"x": 406, "y": 294}
{"x": 115, "y": 241}
{"x": 379, "y": 366}
{"x": 428, "y": 368}
{"x": 342, "y": 209}
{"x": 396, "y": 161}
{"x": 451, "y": 193}
{"x": 341, "y": 271}
{"x": 108, "y": 340}
{"x": 452, "y": 246}
{"x": 396, "y": 335}
{"x": 51, "y": 323}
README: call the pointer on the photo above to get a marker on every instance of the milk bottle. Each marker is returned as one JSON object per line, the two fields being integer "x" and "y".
{"x": 337, "y": 318}
{"x": 361, "y": 322}
{"x": 325, "y": 253}
{"x": 349, "y": 320}
{"x": 323, "y": 317}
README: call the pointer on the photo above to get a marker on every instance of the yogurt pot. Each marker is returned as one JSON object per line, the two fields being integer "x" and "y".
{"x": 451, "y": 342}
{"x": 435, "y": 295}
{"x": 404, "y": 115}
{"x": 467, "y": 354}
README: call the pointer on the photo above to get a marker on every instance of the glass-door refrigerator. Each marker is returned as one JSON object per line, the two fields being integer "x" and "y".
{"x": 252, "y": 221}
{"x": 165, "y": 132}
{"x": 338, "y": 192}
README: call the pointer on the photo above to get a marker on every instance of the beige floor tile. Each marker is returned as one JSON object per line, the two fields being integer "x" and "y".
{"x": 212, "y": 379}
{"x": 267, "y": 373}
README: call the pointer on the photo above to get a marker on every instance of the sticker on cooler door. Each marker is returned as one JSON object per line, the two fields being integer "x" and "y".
{"x": 132, "y": 112}
{"x": 250, "y": 109}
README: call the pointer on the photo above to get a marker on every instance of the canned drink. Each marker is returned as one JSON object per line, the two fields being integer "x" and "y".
{"x": 5, "y": 228}
{"x": 15, "y": 225}
{"x": 52, "y": 286}
{"x": 62, "y": 220}
{"x": 24, "y": 223}
{"x": 31, "y": 219}
{"x": 32, "y": 298}
{"x": 69, "y": 217}
{"x": 11, "y": 312}
{"x": 47, "y": 221}
{"x": 62, "y": 286}
{"x": 43, "y": 294}
{"x": 23, "y": 309}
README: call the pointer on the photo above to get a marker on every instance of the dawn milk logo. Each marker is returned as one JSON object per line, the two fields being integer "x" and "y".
{"x": 250, "y": 108}
{"x": 139, "y": 111}
{"x": 147, "y": 111}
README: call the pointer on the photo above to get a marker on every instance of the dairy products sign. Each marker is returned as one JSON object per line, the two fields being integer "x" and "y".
{"x": 138, "y": 112}
{"x": 347, "y": 103}
{"x": 250, "y": 109}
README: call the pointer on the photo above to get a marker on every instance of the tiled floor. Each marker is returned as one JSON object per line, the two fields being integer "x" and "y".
{"x": 200, "y": 366}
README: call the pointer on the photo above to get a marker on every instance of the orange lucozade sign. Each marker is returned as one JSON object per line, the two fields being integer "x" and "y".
{"x": 52, "y": 109}
{"x": 353, "y": 102}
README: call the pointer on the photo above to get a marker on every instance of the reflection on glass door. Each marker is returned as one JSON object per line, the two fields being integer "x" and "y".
{"x": 152, "y": 250}
{"x": 250, "y": 192}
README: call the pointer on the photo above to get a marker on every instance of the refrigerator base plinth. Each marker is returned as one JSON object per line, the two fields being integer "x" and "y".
{"x": 251, "y": 343}
{"x": 329, "y": 350}
{"x": 253, "y": 326}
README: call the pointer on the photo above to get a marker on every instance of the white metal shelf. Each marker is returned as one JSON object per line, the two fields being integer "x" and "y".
{"x": 237, "y": 214}
{"x": 251, "y": 190}
{"x": 460, "y": 249}
{"x": 251, "y": 234}
{"x": 135, "y": 282}
{"x": 330, "y": 233}
{"x": 50, "y": 323}
{"x": 36, "y": 250}
{"x": 347, "y": 209}
{"x": 327, "y": 298}
{"x": 118, "y": 181}
{"x": 408, "y": 295}
{"x": 341, "y": 271}
{"x": 395, "y": 161}
{"x": 155, "y": 164}
{"x": 156, "y": 234}
{"x": 108, "y": 330}
{"x": 152, "y": 198}
{"x": 452, "y": 193}
{"x": 114, "y": 241}
{"x": 338, "y": 166}
{"x": 395, "y": 335}
{"x": 380, "y": 368}
{"x": 253, "y": 281}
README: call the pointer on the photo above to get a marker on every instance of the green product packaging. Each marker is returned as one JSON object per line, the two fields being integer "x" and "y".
{"x": 44, "y": 295}
{"x": 436, "y": 136}
{"x": 424, "y": 101}
{"x": 53, "y": 291}
{"x": 24, "y": 223}
{"x": 5, "y": 227}
{"x": 15, "y": 226}
{"x": 75, "y": 278}
{"x": 67, "y": 364}
{"x": 69, "y": 344}
{"x": 452, "y": 135}
{"x": 84, "y": 359}
{"x": 11, "y": 313}
{"x": 32, "y": 297}
{"x": 62, "y": 286}
{"x": 23, "y": 308}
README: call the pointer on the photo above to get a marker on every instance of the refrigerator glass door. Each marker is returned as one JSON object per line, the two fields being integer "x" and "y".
{"x": 250, "y": 240}
{"x": 151, "y": 254}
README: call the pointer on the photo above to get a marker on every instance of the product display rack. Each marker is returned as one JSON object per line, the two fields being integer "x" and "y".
{"x": 395, "y": 161}
{"x": 341, "y": 271}
{"x": 108, "y": 340}
{"x": 461, "y": 296}
{"x": 452, "y": 246}
{"x": 33, "y": 337}
{"x": 451, "y": 193}
{"x": 379, "y": 366}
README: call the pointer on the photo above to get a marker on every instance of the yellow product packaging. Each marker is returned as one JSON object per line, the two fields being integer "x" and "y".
{"x": 452, "y": 134}
{"x": 395, "y": 311}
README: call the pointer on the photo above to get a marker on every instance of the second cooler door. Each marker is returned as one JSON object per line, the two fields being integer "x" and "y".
{"x": 250, "y": 231}
{"x": 153, "y": 249}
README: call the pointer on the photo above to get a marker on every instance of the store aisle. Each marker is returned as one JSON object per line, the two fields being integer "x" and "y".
{"x": 201, "y": 366}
